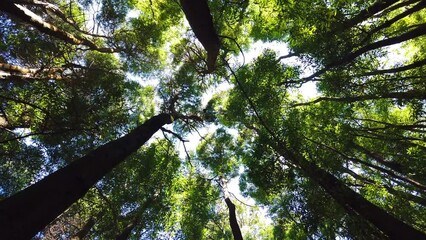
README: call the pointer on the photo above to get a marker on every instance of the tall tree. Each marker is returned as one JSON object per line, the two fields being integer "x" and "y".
{"x": 74, "y": 76}
{"x": 55, "y": 193}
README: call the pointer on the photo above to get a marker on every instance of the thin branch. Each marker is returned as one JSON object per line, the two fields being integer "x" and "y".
{"x": 417, "y": 32}
{"x": 410, "y": 94}
{"x": 410, "y": 66}
{"x": 174, "y": 134}
{"x": 181, "y": 139}
{"x": 248, "y": 205}
{"x": 388, "y": 23}
{"x": 287, "y": 56}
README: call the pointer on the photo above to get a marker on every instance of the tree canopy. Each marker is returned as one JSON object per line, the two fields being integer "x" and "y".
{"x": 135, "y": 119}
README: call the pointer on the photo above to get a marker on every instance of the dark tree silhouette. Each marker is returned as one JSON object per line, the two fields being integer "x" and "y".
{"x": 29, "y": 211}
{"x": 197, "y": 13}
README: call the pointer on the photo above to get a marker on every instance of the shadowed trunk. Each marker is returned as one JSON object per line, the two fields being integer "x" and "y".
{"x": 233, "y": 220}
{"x": 350, "y": 200}
{"x": 125, "y": 234}
{"x": 30, "y": 210}
{"x": 84, "y": 230}
{"x": 197, "y": 13}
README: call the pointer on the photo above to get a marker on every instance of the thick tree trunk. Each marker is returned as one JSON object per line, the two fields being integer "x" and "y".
{"x": 197, "y": 13}
{"x": 352, "y": 201}
{"x": 27, "y": 212}
{"x": 233, "y": 220}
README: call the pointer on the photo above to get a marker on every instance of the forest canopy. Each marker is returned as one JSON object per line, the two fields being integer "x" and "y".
{"x": 135, "y": 119}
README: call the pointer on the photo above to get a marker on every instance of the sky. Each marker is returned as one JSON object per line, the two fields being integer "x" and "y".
{"x": 308, "y": 91}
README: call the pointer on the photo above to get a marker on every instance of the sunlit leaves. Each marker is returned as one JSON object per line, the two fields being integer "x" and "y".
{"x": 216, "y": 153}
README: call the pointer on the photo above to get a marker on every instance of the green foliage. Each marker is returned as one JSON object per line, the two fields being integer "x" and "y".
{"x": 365, "y": 126}
{"x": 216, "y": 153}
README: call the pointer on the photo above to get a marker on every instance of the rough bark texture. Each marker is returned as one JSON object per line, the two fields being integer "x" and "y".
{"x": 197, "y": 13}
{"x": 352, "y": 201}
{"x": 233, "y": 220}
{"x": 29, "y": 211}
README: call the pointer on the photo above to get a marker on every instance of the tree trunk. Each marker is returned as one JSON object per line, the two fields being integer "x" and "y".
{"x": 27, "y": 212}
{"x": 350, "y": 200}
{"x": 233, "y": 220}
{"x": 197, "y": 13}
{"x": 84, "y": 230}
{"x": 124, "y": 235}
{"x": 14, "y": 72}
{"x": 27, "y": 16}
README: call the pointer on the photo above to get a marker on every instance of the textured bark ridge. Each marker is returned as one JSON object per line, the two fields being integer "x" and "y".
{"x": 29, "y": 211}
{"x": 233, "y": 220}
{"x": 197, "y": 13}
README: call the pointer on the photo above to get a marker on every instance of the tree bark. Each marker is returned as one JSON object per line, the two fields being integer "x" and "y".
{"x": 14, "y": 72}
{"x": 236, "y": 231}
{"x": 36, "y": 21}
{"x": 27, "y": 212}
{"x": 350, "y": 200}
{"x": 84, "y": 230}
{"x": 197, "y": 13}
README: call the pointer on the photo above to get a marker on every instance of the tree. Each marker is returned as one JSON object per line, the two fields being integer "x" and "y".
{"x": 76, "y": 77}
{"x": 261, "y": 103}
{"x": 23, "y": 220}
